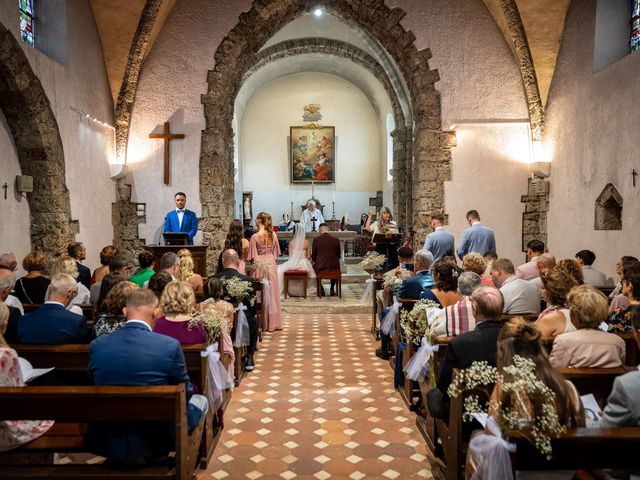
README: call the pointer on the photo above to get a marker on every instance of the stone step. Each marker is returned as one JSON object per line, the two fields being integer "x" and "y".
{"x": 349, "y": 303}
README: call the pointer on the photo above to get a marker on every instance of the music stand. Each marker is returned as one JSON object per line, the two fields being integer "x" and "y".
{"x": 387, "y": 238}
{"x": 175, "y": 238}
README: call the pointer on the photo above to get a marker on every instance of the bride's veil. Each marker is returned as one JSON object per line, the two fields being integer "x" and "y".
{"x": 296, "y": 254}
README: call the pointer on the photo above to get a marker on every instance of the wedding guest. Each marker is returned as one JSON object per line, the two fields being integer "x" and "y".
{"x": 108, "y": 282}
{"x": 158, "y": 282}
{"x": 111, "y": 315}
{"x": 78, "y": 252}
{"x": 529, "y": 270}
{"x": 326, "y": 256}
{"x": 520, "y": 296}
{"x": 458, "y": 318}
{"x": 145, "y": 270}
{"x": 412, "y": 287}
{"x": 178, "y": 305}
{"x": 186, "y": 271}
{"x": 617, "y": 298}
{"x": 7, "y": 281}
{"x": 585, "y": 259}
{"x": 69, "y": 266}
{"x": 555, "y": 319}
{"x": 545, "y": 264}
{"x": 587, "y": 347}
{"x": 572, "y": 268}
{"x": 235, "y": 241}
{"x": 384, "y": 224}
{"x": 476, "y": 238}
{"x": 118, "y": 265}
{"x": 213, "y": 293}
{"x": 33, "y": 286}
{"x": 105, "y": 255}
{"x": 619, "y": 321}
{"x": 263, "y": 252}
{"x": 8, "y": 261}
{"x": 445, "y": 290}
{"x": 521, "y": 338}
{"x": 474, "y": 262}
{"x": 623, "y": 405}
{"x": 439, "y": 242}
{"x": 15, "y": 433}
{"x": 489, "y": 257}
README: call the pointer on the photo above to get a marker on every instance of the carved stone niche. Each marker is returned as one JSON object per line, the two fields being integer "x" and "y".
{"x": 608, "y": 215}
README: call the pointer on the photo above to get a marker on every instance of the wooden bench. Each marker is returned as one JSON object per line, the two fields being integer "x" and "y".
{"x": 261, "y": 308}
{"x": 72, "y": 407}
{"x": 587, "y": 380}
{"x": 71, "y": 362}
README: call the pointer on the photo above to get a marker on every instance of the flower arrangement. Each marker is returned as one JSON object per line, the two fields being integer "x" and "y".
{"x": 210, "y": 322}
{"x": 415, "y": 323}
{"x": 262, "y": 267}
{"x": 391, "y": 281}
{"x": 237, "y": 291}
{"x": 531, "y": 403}
{"x": 372, "y": 262}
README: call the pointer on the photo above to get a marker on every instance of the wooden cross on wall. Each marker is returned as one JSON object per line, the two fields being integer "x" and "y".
{"x": 167, "y": 136}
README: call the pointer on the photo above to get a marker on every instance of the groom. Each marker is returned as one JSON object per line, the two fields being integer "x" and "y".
{"x": 181, "y": 219}
{"x": 326, "y": 254}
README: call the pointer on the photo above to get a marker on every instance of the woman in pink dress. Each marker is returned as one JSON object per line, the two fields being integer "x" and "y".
{"x": 263, "y": 251}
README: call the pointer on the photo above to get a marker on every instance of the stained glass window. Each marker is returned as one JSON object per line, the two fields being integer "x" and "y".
{"x": 26, "y": 21}
{"x": 635, "y": 25}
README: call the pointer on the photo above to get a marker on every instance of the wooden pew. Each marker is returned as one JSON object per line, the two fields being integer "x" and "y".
{"x": 71, "y": 362}
{"x": 587, "y": 380}
{"x": 88, "y": 310}
{"x": 378, "y": 285}
{"x": 261, "y": 308}
{"x": 580, "y": 448}
{"x": 75, "y": 406}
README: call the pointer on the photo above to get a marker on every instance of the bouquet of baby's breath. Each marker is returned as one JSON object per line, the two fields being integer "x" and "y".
{"x": 415, "y": 323}
{"x": 372, "y": 261}
{"x": 237, "y": 291}
{"x": 391, "y": 281}
{"x": 210, "y": 322}
{"x": 528, "y": 406}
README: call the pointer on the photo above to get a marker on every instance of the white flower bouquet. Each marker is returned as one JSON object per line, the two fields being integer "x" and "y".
{"x": 210, "y": 322}
{"x": 415, "y": 323}
{"x": 391, "y": 281}
{"x": 237, "y": 291}
{"x": 372, "y": 262}
{"x": 529, "y": 405}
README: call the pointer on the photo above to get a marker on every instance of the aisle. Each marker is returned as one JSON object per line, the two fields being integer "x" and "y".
{"x": 319, "y": 405}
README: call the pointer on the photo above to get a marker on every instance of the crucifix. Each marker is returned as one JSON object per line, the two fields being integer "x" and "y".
{"x": 5, "y": 186}
{"x": 313, "y": 223}
{"x": 634, "y": 174}
{"x": 166, "y": 135}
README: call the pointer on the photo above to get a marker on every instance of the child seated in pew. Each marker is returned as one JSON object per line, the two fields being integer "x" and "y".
{"x": 213, "y": 292}
{"x": 15, "y": 433}
{"x": 587, "y": 347}
{"x": 519, "y": 337}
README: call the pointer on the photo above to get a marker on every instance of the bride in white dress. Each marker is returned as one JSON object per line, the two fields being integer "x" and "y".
{"x": 299, "y": 259}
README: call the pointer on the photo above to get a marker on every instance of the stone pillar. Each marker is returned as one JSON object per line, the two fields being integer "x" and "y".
{"x": 536, "y": 206}
{"x": 125, "y": 221}
{"x": 400, "y": 197}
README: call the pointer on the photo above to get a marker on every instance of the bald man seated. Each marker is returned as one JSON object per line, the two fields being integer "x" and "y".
{"x": 474, "y": 346}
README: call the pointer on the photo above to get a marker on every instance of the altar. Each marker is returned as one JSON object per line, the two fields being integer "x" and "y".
{"x": 342, "y": 236}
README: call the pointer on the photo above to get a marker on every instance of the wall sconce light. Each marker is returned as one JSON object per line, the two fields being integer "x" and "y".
{"x": 141, "y": 209}
{"x": 541, "y": 169}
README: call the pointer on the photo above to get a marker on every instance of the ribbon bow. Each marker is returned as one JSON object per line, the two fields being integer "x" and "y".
{"x": 267, "y": 296}
{"x": 418, "y": 367}
{"x": 388, "y": 324}
{"x": 369, "y": 292}
{"x": 491, "y": 453}
{"x": 242, "y": 327}
{"x": 217, "y": 376}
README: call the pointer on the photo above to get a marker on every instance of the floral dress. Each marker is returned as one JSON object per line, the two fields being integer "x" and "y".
{"x": 15, "y": 433}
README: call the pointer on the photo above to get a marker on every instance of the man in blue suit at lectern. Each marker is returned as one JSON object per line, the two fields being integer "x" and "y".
{"x": 181, "y": 220}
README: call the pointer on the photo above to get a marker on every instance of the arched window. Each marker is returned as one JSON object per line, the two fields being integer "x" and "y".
{"x": 391, "y": 126}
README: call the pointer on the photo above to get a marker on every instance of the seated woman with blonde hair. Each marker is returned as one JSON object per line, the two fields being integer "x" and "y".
{"x": 178, "y": 305}
{"x": 473, "y": 262}
{"x": 555, "y": 319}
{"x": 186, "y": 271}
{"x": 587, "y": 347}
{"x": 521, "y": 338}
{"x": 15, "y": 433}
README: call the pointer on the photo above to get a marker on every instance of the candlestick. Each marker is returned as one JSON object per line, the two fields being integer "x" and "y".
{"x": 311, "y": 188}
{"x": 333, "y": 196}
{"x": 292, "y": 209}
{"x": 333, "y": 212}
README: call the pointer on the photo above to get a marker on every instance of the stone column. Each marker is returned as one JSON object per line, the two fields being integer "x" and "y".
{"x": 400, "y": 197}
{"x": 125, "y": 221}
{"x": 536, "y": 206}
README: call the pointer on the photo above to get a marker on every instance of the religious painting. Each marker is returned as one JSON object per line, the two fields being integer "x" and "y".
{"x": 313, "y": 154}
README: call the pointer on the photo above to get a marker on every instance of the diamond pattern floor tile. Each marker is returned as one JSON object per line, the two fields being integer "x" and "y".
{"x": 329, "y": 407}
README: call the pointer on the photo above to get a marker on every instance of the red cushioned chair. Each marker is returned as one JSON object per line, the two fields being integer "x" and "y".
{"x": 298, "y": 275}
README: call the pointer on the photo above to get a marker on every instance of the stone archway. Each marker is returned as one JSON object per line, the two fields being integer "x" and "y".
{"x": 426, "y": 168}
{"x": 37, "y": 139}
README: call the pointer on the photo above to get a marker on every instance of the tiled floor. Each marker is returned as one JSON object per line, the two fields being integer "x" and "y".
{"x": 319, "y": 405}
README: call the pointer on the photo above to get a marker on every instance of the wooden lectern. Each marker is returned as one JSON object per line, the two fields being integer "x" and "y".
{"x": 199, "y": 254}
{"x": 387, "y": 238}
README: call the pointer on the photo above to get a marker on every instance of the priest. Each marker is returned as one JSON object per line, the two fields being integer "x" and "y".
{"x": 311, "y": 217}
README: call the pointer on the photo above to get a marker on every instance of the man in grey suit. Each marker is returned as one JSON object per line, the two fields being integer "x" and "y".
{"x": 623, "y": 404}
{"x": 439, "y": 242}
{"x": 477, "y": 238}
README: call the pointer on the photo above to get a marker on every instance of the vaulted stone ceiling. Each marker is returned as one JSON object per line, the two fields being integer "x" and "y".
{"x": 543, "y": 21}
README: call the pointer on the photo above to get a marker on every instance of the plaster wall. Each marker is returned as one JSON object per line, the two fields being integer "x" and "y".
{"x": 589, "y": 128}
{"x": 480, "y": 81}
{"x": 264, "y": 150}
{"x": 88, "y": 147}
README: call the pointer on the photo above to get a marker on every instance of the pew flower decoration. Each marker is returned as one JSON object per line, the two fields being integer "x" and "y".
{"x": 525, "y": 403}
{"x": 415, "y": 326}
{"x": 391, "y": 281}
{"x": 237, "y": 291}
{"x": 210, "y": 322}
{"x": 372, "y": 262}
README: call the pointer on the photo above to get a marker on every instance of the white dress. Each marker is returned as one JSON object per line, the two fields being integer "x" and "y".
{"x": 297, "y": 261}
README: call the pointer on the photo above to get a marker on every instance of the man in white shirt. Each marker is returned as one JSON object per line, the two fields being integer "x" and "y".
{"x": 520, "y": 296}
{"x": 585, "y": 259}
{"x": 312, "y": 217}
{"x": 529, "y": 270}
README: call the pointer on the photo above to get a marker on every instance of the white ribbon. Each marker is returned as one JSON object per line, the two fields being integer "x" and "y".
{"x": 489, "y": 453}
{"x": 417, "y": 368}
{"x": 267, "y": 296}
{"x": 242, "y": 327}
{"x": 369, "y": 292}
{"x": 388, "y": 324}
{"x": 217, "y": 376}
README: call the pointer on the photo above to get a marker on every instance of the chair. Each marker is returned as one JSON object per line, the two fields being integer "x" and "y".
{"x": 297, "y": 275}
{"x": 329, "y": 275}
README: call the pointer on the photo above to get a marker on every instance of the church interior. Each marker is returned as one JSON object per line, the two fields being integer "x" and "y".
{"x": 518, "y": 109}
